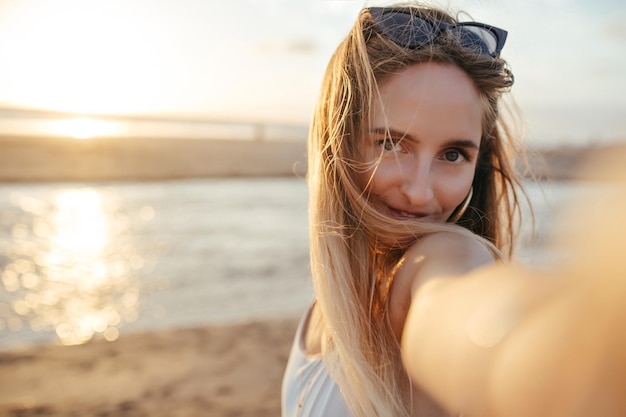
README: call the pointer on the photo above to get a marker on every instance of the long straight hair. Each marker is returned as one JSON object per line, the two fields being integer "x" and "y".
{"x": 354, "y": 248}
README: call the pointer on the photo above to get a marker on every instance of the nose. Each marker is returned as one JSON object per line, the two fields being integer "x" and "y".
{"x": 417, "y": 185}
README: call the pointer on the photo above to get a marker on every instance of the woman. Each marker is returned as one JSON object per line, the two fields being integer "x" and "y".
{"x": 410, "y": 186}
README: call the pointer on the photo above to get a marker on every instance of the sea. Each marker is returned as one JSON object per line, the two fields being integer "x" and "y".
{"x": 85, "y": 261}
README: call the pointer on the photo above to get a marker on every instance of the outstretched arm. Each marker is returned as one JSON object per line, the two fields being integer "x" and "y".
{"x": 508, "y": 341}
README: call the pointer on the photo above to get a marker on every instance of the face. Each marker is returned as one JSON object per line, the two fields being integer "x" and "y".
{"x": 423, "y": 142}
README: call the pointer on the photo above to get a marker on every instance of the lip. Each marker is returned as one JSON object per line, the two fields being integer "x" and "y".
{"x": 405, "y": 214}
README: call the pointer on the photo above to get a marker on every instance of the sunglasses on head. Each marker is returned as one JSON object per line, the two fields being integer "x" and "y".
{"x": 410, "y": 29}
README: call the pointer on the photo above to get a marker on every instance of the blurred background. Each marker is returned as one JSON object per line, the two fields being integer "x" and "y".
{"x": 152, "y": 153}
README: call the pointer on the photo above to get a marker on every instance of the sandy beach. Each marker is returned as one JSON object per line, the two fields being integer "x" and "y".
{"x": 233, "y": 370}
{"x": 121, "y": 158}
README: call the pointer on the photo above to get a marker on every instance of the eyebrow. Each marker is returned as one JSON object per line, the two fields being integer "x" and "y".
{"x": 462, "y": 143}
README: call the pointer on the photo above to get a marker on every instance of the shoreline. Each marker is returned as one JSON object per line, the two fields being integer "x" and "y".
{"x": 145, "y": 158}
{"x": 221, "y": 370}
{"x": 45, "y": 159}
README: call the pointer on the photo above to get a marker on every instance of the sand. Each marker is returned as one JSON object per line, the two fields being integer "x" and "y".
{"x": 211, "y": 371}
{"x": 154, "y": 158}
{"x": 117, "y": 159}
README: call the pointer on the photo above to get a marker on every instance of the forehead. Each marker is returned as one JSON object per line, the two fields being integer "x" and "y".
{"x": 429, "y": 99}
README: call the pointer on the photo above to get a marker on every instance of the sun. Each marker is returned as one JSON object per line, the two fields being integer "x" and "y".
{"x": 86, "y": 128}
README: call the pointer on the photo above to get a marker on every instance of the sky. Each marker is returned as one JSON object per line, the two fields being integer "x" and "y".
{"x": 263, "y": 60}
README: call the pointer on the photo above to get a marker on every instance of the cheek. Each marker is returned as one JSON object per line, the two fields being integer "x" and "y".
{"x": 453, "y": 191}
{"x": 384, "y": 178}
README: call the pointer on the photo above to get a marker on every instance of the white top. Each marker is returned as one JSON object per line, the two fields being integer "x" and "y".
{"x": 308, "y": 389}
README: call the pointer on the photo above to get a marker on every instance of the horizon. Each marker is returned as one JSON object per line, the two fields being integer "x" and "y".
{"x": 75, "y": 126}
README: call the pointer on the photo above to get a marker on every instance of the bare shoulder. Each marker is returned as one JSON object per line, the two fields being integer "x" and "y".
{"x": 443, "y": 254}
{"x": 451, "y": 243}
{"x": 440, "y": 255}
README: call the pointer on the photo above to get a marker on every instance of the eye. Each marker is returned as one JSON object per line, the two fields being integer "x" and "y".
{"x": 455, "y": 155}
{"x": 452, "y": 156}
{"x": 389, "y": 145}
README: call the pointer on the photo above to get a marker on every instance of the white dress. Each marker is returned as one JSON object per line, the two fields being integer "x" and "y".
{"x": 308, "y": 389}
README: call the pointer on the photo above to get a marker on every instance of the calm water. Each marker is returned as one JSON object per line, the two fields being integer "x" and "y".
{"x": 79, "y": 261}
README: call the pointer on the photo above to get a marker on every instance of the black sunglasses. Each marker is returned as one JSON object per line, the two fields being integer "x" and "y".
{"x": 410, "y": 29}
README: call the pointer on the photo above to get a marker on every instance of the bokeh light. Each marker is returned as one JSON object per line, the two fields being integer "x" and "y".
{"x": 67, "y": 265}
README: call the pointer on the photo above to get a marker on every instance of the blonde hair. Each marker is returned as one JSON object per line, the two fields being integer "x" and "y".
{"x": 354, "y": 248}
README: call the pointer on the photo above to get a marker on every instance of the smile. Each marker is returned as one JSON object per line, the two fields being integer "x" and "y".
{"x": 399, "y": 214}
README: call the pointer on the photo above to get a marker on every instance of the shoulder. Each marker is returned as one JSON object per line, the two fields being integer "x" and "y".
{"x": 444, "y": 254}
{"x": 439, "y": 255}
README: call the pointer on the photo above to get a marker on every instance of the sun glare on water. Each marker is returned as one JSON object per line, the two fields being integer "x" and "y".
{"x": 69, "y": 269}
